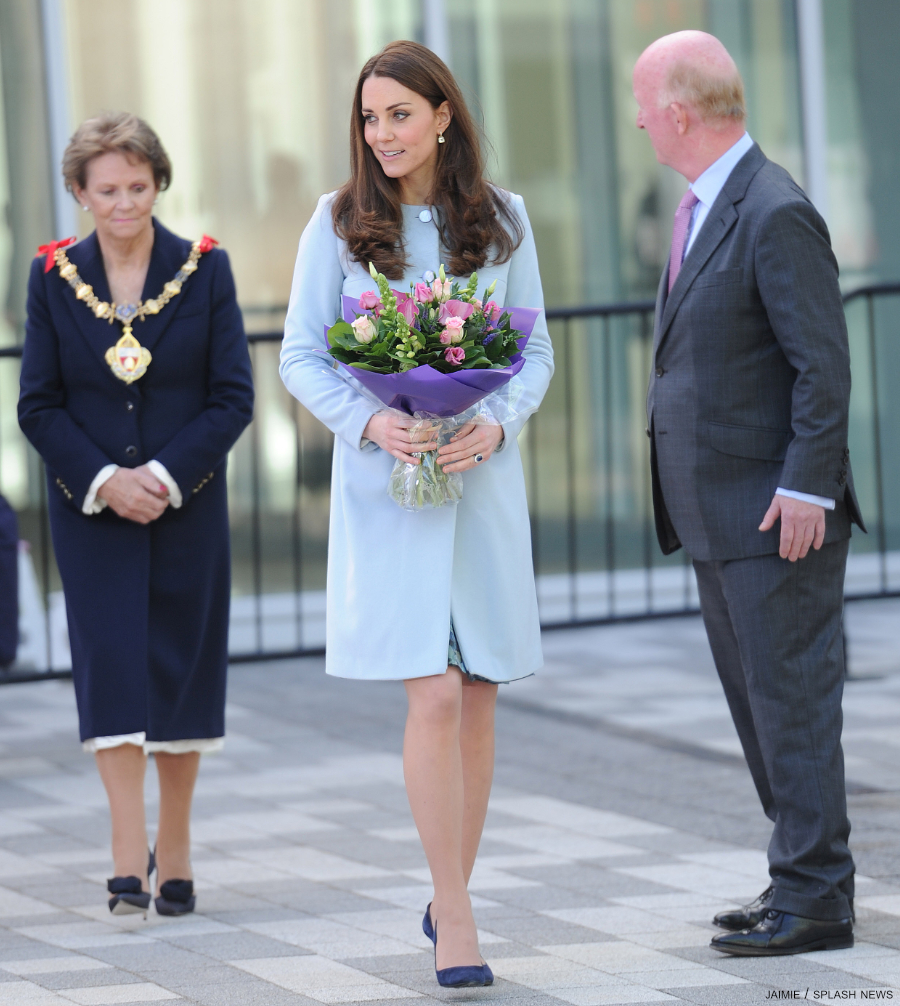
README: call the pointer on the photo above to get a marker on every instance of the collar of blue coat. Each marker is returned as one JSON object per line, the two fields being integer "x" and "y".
{"x": 168, "y": 255}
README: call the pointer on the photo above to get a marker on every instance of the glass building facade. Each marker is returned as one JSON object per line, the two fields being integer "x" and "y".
{"x": 252, "y": 100}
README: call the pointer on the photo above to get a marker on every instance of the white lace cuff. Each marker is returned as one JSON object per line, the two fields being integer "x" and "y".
{"x": 91, "y": 503}
{"x": 161, "y": 472}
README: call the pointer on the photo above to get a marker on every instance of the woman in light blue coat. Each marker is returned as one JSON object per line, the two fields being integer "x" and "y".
{"x": 400, "y": 583}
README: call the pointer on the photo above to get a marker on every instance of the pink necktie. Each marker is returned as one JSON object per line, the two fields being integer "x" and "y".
{"x": 679, "y": 234}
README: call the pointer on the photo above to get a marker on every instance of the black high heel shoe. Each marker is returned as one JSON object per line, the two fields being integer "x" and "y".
{"x": 176, "y": 897}
{"x": 464, "y": 976}
{"x": 127, "y": 896}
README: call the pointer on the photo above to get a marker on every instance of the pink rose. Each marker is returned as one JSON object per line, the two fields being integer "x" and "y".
{"x": 364, "y": 329}
{"x": 455, "y": 309}
{"x": 369, "y": 301}
{"x": 423, "y": 293}
{"x": 478, "y": 305}
{"x": 441, "y": 290}
{"x": 456, "y": 354}
{"x": 491, "y": 311}
{"x": 453, "y": 331}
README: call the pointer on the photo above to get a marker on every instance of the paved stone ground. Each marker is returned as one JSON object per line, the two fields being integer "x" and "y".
{"x": 622, "y": 818}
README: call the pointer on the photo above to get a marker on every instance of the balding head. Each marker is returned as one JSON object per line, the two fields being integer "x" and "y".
{"x": 691, "y": 99}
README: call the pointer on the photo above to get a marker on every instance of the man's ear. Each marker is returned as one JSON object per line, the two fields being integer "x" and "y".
{"x": 681, "y": 117}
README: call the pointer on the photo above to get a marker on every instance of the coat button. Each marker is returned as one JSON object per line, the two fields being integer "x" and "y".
{"x": 130, "y": 451}
{"x": 660, "y": 371}
{"x": 129, "y": 406}
{"x": 647, "y": 432}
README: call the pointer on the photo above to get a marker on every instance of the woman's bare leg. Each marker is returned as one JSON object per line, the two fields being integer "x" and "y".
{"x": 476, "y": 742}
{"x": 448, "y": 817}
{"x": 177, "y": 776}
{"x": 122, "y": 770}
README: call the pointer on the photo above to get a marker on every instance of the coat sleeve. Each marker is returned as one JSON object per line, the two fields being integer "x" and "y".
{"x": 315, "y": 304}
{"x": 523, "y": 289}
{"x": 66, "y": 449}
{"x": 797, "y": 277}
{"x": 202, "y": 445}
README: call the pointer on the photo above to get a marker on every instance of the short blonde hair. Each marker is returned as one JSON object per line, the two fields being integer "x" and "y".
{"x": 717, "y": 98}
{"x": 110, "y": 132}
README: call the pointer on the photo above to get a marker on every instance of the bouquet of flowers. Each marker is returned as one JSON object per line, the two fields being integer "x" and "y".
{"x": 439, "y": 354}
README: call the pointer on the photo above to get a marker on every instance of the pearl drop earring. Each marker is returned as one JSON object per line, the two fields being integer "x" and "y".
{"x": 441, "y": 138}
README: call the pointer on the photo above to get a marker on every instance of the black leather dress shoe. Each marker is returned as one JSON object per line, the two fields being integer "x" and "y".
{"x": 778, "y": 934}
{"x": 747, "y": 916}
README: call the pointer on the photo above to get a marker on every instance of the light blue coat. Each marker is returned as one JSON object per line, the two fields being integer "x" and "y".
{"x": 394, "y": 577}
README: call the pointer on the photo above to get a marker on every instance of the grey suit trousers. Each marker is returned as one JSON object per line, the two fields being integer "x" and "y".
{"x": 775, "y": 631}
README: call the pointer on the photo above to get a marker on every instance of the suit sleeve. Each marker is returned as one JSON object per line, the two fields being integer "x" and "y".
{"x": 315, "y": 303}
{"x": 204, "y": 443}
{"x": 797, "y": 277}
{"x": 523, "y": 289}
{"x": 67, "y": 451}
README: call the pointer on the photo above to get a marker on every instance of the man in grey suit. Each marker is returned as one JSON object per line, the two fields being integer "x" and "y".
{"x": 748, "y": 411}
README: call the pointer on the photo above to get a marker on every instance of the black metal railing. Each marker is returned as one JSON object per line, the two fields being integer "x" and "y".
{"x": 586, "y": 458}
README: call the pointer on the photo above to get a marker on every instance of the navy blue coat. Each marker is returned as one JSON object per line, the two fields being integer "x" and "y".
{"x": 147, "y": 605}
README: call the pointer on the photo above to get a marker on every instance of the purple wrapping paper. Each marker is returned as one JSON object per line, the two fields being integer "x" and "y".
{"x": 425, "y": 389}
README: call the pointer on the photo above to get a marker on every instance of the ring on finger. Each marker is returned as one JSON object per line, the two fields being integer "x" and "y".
{"x": 478, "y": 458}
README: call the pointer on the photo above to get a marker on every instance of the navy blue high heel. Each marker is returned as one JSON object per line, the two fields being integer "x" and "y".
{"x": 127, "y": 896}
{"x": 465, "y": 976}
{"x": 427, "y": 927}
{"x": 176, "y": 897}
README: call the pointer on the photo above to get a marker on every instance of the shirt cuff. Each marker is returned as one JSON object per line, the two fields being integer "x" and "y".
{"x": 91, "y": 504}
{"x": 161, "y": 472}
{"x": 824, "y": 501}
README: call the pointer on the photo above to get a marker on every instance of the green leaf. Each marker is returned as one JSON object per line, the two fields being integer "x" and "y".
{"x": 360, "y": 365}
{"x": 341, "y": 334}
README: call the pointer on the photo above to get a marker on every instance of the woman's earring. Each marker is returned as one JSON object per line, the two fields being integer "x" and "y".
{"x": 441, "y": 138}
{"x": 84, "y": 208}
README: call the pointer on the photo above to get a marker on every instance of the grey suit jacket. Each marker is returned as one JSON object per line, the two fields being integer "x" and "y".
{"x": 750, "y": 381}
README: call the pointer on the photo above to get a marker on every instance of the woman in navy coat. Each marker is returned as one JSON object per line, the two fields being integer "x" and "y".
{"x": 136, "y": 383}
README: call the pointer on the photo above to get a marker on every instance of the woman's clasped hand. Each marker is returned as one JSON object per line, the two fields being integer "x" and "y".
{"x": 405, "y": 439}
{"x": 401, "y": 437}
{"x": 135, "y": 493}
{"x": 472, "y": 442}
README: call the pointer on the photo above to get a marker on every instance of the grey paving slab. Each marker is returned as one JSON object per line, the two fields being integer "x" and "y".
{"x": 623, "y": 816}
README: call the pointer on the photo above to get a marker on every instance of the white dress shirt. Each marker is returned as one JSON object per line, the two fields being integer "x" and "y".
{"x": 707, "y": 188}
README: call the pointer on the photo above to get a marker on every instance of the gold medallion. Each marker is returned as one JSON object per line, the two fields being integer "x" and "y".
{"x": 128, "y": 359}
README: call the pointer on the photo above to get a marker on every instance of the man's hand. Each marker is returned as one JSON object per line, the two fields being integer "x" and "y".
{"x": 135, "y": 493}
{"x": 802, "y": 525}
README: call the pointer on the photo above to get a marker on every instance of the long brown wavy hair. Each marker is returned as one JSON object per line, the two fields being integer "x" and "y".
{"x": 474, "y": 218}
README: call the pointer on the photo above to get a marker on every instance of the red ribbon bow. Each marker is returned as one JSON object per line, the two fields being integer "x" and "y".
{"x": 206, "y": 243}
{"x": 50, "y": 251}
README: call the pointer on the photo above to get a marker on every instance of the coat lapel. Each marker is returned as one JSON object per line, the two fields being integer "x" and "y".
{"x": 100, "y": 335}
{"x": 722, "y": 217}
{"x": 168, "y": 255}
